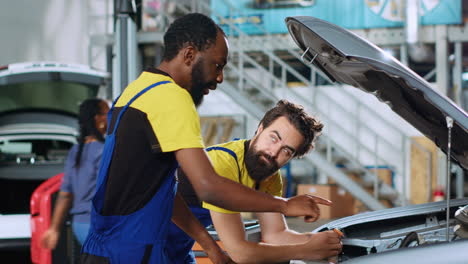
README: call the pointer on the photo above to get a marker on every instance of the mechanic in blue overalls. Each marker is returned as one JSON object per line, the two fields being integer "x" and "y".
{"x": 154, "y": 127}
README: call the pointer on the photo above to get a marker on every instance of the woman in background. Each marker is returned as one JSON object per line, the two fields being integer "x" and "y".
{"x": 81, "y": 170}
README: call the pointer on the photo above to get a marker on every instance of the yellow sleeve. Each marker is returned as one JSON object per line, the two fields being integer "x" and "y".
{"x": 225, "y": 166}
{"x": 177, "y": 124}
{"x": 273, "y": 185}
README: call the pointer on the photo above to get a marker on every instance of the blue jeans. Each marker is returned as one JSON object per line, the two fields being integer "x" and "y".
{"x": 80, "y": 230}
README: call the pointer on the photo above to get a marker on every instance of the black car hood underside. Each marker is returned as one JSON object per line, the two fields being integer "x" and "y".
{"x": 347, "y": 58}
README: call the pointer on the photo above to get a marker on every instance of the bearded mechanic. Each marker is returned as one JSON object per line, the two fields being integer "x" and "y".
{"x": 154, "y": 127}
{"x": 286, "y": 131}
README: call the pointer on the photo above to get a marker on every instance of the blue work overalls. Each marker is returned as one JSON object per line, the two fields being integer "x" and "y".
{"x": 138, "y": 237}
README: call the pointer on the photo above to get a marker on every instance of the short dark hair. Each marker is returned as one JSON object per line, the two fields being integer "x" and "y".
{"x": 193, "y": 29}
{"x": 309, "y": 126}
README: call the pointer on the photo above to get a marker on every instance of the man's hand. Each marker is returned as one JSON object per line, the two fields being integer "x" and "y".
{"x": 49, "y": 239}
{"x": 185, "y": 220}
{"x": 305, "y": 205}
{"x": 323, "y": 245}
{"x": 217, "y": 256}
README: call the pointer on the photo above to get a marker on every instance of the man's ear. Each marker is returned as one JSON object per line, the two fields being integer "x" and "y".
{"x": 189, "y": 54}
{"x": 259, "y": 129}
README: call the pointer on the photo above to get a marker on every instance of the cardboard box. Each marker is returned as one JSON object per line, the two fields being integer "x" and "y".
{"x": 343, "y": 202}
{"x": 385, "y": 175}
{"x": 359, "y": 207}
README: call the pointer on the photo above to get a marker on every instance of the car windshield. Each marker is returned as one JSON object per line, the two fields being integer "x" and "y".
{"x": 56, "y": 95}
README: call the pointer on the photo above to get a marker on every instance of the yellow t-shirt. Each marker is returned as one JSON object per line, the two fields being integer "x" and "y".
{"x": 169, "y": 109}
{"x": 162, "y": 120}
{"x": 227, "y": 166}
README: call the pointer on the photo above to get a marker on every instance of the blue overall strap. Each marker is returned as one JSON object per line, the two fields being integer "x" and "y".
{"x": 109, "y": 114}
{"x": 232, "y": 153}
{"x": 132, "y": 100}
{"x": 139, "y": 237}
{"x": 110, "y": 138}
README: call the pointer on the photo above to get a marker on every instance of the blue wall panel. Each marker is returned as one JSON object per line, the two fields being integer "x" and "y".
{"x": 352, "y": 14}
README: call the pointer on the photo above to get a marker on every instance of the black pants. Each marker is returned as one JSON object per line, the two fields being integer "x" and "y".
{"x": 92, "y": 259}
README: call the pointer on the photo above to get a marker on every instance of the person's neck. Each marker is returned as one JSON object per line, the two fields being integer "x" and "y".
{"x": 173, "y": 69}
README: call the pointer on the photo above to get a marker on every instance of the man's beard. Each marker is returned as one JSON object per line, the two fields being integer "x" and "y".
{"x": 198, "y": 83}
{"x": 258, "y": 169}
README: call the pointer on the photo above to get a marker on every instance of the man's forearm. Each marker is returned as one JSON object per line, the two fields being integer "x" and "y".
{"x": 231, "y": 232}
{"x": 186, "y": 220}
{"x": 222, "y": 192}
{"x": 62, "y": 205}
{"x": 230, "y": 229}
{"x": 275, "y": 230}
{"x": 232, "y": 196}
{"x": 254, "y": 252}
{"x": 219, "y": 191}
{"x": 287, "y": 237}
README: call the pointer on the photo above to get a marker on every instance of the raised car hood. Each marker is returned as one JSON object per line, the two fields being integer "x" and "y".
{"x": 52, "y": 71}
{"x": 347, "y": 58}
{"x": 359, "y": 221}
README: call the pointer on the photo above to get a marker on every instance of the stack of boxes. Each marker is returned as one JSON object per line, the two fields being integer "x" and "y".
{"x": 344, "y": 204}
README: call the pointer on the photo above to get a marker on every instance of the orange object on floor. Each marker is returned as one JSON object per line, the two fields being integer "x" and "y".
{"x": 200, "y": 255}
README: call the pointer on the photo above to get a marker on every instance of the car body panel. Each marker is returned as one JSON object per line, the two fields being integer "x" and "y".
{"x": 387, "y": 230}
{"x": 411, "y": 234}
{"x": 391, "y": 213}
{"x": 453, "y": 253}
{"x": 38, "y": 125}
{"x": 347, "y": 58}
{"x": 37, "y": 119}
{"x": 49, "y": 85}
{"x": 45, "y": 71}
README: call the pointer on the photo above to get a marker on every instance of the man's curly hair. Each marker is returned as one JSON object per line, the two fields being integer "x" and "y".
{"x": 309, "y": 126}
{"x": 193, "y": 29}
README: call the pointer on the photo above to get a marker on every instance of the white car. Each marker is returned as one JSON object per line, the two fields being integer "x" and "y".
{"x": 38, "y": 125}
